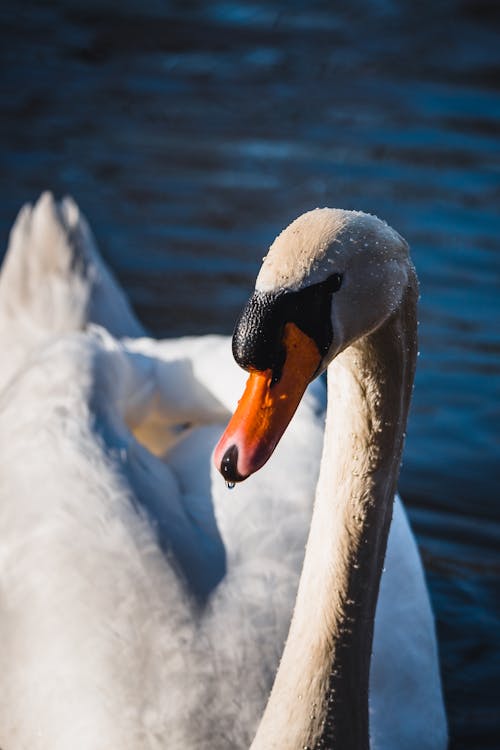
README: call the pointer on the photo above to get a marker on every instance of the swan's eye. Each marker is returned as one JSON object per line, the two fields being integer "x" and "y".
{"x": 334, "y": 282}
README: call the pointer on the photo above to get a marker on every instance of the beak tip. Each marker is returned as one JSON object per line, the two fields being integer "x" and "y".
{"x": 228, "y": 465}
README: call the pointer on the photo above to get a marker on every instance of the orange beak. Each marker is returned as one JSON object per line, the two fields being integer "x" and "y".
{"x": 266, "y": 408}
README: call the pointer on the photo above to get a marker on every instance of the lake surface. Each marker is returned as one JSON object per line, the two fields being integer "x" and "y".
{"x": 191, "y": 132}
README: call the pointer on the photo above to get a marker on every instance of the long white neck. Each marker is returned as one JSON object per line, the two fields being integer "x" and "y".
{"x": 320, "y": 695}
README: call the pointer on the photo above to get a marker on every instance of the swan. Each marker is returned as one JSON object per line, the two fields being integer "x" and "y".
{"x": 142, "y": 606}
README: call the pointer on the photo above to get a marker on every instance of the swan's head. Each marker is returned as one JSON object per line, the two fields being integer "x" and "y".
{"x": 329, "y": 278}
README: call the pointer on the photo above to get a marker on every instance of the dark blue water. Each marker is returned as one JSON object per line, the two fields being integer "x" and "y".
{"x": 192, "y": 132}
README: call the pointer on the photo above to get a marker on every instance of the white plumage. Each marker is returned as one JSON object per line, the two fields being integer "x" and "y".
{"x": 142, "y": 605}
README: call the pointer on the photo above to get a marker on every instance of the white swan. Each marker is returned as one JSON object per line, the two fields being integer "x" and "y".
{"x": 129, "y": 617}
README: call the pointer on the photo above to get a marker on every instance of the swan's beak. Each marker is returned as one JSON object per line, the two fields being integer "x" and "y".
{"x": 266, "y": 408}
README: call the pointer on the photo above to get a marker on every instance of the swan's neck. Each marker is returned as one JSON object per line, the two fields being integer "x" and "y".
{"x": 320, "y": 695}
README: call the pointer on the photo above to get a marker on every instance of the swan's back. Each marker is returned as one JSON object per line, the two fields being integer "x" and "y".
{"x": 100, "y": 538}
{"x": 83, "y": 579}
{"x": 99, "y": 618}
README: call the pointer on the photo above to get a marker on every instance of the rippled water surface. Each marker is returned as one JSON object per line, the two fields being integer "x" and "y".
{"x": 192, "y": 132}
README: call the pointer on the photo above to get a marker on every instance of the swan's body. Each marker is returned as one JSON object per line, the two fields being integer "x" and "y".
{"x": 142, "y": 606}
